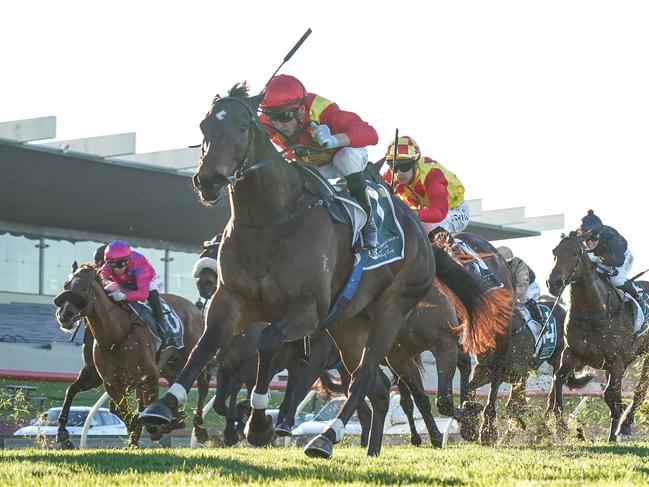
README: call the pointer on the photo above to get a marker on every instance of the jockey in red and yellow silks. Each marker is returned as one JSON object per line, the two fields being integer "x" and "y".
{"x": 427, "y": 186}
{"x": 331, "y": 139}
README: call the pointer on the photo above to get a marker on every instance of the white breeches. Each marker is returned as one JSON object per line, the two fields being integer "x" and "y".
{"x": 533, "y": 292}
{"x": 457, "y": 219}
{"x": 346, "y": 161}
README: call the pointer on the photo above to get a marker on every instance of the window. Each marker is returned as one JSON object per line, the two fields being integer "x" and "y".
{"x": 180, "y": 280}
{"x": 19, "y": 258}
{"x": 58, "y": 258}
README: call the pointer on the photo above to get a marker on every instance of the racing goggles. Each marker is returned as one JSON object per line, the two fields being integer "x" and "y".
{"x": 280, "y": 116}
{"x": 404, "y": 165}
{"x": 118, "y": 264}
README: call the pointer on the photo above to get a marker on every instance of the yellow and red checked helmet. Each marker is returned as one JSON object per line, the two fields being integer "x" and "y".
{"x": 407, "y": 148}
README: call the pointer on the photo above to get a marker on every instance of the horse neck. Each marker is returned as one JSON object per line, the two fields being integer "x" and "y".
{"x": 106, "y": 320}
{"x": 589, "y": 295}
{"x": 269, "y": 193}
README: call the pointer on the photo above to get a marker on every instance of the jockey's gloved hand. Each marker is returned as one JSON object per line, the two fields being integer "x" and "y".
{"x": 322, "y": 136}
{"x": 111, "y": 286}
{"x": 594, "y": 258}
{"x": 118, "y": 296}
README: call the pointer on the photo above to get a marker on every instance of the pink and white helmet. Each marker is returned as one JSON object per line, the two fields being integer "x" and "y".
{"x": 117, "y": 250}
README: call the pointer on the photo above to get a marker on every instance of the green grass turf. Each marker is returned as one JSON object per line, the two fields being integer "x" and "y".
{"x": 573, "y": 464}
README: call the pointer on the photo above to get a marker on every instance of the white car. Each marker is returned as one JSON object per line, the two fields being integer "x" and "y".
{"x": 396, "y": 421}
{"x": 104, "y": 423}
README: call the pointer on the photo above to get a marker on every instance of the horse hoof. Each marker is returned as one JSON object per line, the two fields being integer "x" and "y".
{"x": 65, "y": 445}
{"x": 259, "y": 437}
{"x": 201, "y": 434}
{"x": 283, "y": 429}
{"x": 156, "y": 414}
{"x": 319, "y": 447}
{"x": 415, "y": 440}
{"x": 625, "y": 430}
{"x": 437, "y": 441}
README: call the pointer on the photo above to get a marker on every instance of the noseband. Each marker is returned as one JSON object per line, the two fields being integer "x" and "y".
{"x": 580, "y": 258}
{"x": 83, "y": 310}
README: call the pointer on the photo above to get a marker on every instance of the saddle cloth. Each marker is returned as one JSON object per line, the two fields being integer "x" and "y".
{"x": 172, "y": 335}
{"x": 640, "y": 321}
{"x": 478, "y": 267}
{"x": 391, "y": 238}
{"x": 548, "y": 343}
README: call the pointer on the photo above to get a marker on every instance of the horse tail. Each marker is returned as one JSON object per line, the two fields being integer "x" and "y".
{"x": 327, "y": 386}
{"x": 481, "y": 315}
{"x": 577, "y": 381}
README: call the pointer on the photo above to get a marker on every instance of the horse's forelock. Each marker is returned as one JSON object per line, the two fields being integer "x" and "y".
{"x": 240, "y": 90}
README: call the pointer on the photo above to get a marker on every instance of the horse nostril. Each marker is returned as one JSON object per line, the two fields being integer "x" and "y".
{"x": 196, "y": 180}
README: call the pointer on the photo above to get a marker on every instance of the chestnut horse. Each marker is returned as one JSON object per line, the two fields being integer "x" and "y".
{"x": 598, "y": 331}
{"x": 125, "y": 352}
{"x": 284, "y": 261}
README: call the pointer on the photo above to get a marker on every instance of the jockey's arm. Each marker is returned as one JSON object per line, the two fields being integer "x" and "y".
{"x": 143, "y": 279}
{"x": 437, "y": 191}
{"x": 350, "y": 129}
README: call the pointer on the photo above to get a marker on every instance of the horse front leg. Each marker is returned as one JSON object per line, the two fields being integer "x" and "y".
{"x": 380, "y": 338}
{"x": 488, "y": 433}
{"x": 203, "y": 388}
{"x": 613, "y": 396}
{"x": 408, "y": 407}
{"x": 516, "y": 403}
{"x": 225, "y": 314}
{"x": 88, "y": 379}
{"x": 639, "y": 394}
{"x": 464, "y": 366}
{"x": 470, "y": 411}
{"x": 297, "y": 321}
{"x": 406, "y": 369}
{"x": 569, "y": 363}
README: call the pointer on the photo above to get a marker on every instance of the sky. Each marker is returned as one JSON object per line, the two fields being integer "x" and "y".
{"x": 537, "y": 104}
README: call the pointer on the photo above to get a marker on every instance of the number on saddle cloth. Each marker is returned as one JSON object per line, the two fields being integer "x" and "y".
{"x": 477, "y": 266}
{"x": 171, "y": 334}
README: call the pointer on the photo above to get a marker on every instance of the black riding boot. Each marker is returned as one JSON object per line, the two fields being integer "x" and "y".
{"x": 358, "y": 189}
{"x": 156, "y": 306}
{"x": 630, "y": 288}
{"x": 533, "y": 307}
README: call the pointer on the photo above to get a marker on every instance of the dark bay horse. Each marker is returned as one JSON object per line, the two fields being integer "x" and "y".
{"x": 521, "y": 361}
{"x": 124, "y": 351}
{"x": 283, "y": 261}
{"x": 598, "y": 332}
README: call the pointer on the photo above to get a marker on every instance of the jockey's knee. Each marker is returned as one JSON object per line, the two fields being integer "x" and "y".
{"x": 618, "y": 280}
{"x": 350, "y": 160}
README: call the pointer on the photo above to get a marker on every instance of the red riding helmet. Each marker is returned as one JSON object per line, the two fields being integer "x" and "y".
{"x": 117, "y": 250}
{"x": 283, "y": 92}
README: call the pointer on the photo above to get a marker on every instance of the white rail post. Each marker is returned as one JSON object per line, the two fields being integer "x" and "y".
{"x": 91, "y": 416}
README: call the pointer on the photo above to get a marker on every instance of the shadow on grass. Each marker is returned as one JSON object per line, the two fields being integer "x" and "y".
{"x": 114, "y": 463}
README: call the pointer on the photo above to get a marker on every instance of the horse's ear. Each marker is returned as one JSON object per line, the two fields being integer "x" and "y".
{"x": 255, "y": 101}
{"x": 75, "y": 266}
{"x": 563, "y": 235}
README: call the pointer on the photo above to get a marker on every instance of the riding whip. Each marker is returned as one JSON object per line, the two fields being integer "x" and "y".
{"x": 638, "y": 275}
{"x": 290, "y": 54}
{"x": 545, "y": 324}
{"x": 394, "y": 157}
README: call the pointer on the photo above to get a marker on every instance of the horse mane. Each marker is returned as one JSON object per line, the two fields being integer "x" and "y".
{"x": 93, "y": 268}
{"x": 239, "y": 90}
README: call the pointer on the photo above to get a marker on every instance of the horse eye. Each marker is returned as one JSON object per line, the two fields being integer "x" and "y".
{"x": 243, "y": 130}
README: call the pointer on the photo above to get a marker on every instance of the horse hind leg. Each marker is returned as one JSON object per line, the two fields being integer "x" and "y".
{"x": 203, "y": 389}
{"x": 408, "y": 407}
{"x": 88, "y": 379}
{"x": 488, "y": 432}
{"x": 626, "y": 420}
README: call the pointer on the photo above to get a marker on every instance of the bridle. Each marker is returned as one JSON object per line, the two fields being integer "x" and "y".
{"x": 83, "y": 311}
{"x": 246, "y": 167}
{"x": 581, "y": 258}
